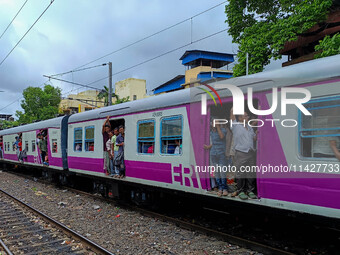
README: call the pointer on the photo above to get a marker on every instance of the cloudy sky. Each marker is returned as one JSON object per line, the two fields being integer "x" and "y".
{"x": 73, "y": 33}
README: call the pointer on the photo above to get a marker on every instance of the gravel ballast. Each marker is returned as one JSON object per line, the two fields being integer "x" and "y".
{"x": 118, "y": 230}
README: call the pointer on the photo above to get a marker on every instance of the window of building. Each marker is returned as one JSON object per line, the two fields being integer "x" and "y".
{"x": 33, "y": 145}
{"x": 78, "y": 139}
{"x": 54, "y": 146}
{"x": 316, "y": 131}
{"x": 134, "y": 97}
{"x": 89, "y": 138}
{"x": 146, "y": 136}
{"x": 74, "y": 110}
{"x": 171, "y": 135}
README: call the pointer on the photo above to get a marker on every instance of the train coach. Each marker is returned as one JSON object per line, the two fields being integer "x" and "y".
{"x": 310, "y": 181}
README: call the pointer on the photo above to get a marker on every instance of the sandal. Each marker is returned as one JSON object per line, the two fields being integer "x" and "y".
{"x": 219, "y": 193}
{"x": 243, "y": 196}
{"x": 251, "y": 195}
{"x": 234, "y": 194}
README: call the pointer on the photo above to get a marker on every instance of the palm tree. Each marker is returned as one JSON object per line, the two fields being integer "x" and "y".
{"x": 104, "y": 93}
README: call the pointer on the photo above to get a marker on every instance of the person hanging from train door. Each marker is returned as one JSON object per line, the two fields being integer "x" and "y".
{"x": 20, "y": 150}
{"x": 244, "y": 137}
{"x": 230, "y": 158}
{"x": 114, "y": 151}
{"x": 109, "y": 150}
{"x": 43, "y": 148}
{"x": 120, "y": 157}
{"x": 105, "y": 131}
{"x": 217, "y": 157}
{"x": 16, "y": 146}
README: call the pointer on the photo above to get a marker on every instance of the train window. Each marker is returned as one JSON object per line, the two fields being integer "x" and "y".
{"x": 146, "y": 136}
{"x": 54, "y": 146}
{"x": 171, "y": 135}
{"x": 89, "y": 138}
{"x": 78, "y": 139}
{"x": 26, "y": 146}
{"x": 316, "y": 131}
{"x": 33, "y": 145}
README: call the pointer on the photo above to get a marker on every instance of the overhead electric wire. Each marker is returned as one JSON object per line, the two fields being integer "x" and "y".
{"x": 149, "y": 36}
{"x": 27, "y": 32}
{"x": 78, "y": 70}
{"x": 71, "y": 82}
{"x": 13, "y": 19}
{"x": 161, "y": 55}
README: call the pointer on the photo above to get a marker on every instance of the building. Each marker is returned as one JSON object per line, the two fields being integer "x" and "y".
{"x": 87, "y": 100}
{"x": 6, "y": 117}
{"x": 303, "y": 49}
{"x": 81, "y": 102}
{"x": 201, "y": 66}
{"x": 133, "y": 88}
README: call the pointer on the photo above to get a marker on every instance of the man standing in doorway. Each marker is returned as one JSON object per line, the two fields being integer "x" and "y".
{"x": 244, "y": 137}
{"x": 120, "y": 157}
{"x": 114, "y": 150}
{"x": 43, "y": 149}
{"x": 105, "y": 131}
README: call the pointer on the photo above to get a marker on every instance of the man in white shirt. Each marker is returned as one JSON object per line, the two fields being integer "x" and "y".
{"x": 244, "y": 137}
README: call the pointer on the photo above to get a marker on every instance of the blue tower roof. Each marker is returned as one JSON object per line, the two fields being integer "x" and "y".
{"x": 191, "y": 57}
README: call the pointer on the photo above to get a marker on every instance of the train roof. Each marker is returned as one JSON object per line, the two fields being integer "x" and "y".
{"x": 56, "y": 122}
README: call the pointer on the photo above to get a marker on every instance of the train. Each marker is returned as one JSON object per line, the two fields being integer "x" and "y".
{"x": 309, "y": 184}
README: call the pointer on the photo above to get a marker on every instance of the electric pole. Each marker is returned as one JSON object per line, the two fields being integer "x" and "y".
{"x": 110, "y": 83}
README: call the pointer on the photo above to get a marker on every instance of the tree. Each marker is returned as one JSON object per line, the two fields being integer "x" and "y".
{"x": 4, "y": 124}
{"x": 39, "y": 104}
{"x": 105, "y": 94}
{"x": 262, "y": 27}
{"x": 329, "y": 46}
{"x": 121, "y": 100}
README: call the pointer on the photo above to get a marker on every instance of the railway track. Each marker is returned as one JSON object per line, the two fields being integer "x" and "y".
{"x": 25, "y": 230}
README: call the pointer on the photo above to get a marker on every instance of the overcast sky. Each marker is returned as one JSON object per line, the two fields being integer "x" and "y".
{"x": 74, "y": 32}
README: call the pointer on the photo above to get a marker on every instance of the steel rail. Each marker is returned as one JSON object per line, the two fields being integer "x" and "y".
{"x": 90, "y": 244}
{"x": 3, "y": 245}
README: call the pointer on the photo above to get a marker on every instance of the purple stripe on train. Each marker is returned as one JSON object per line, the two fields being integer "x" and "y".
{"x": 87, "y": 164}
{"x": 11, "y": 156}
{"x": 160, "y": 172}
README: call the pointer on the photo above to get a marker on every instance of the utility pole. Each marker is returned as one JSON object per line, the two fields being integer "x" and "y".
{"x": 110, "y": 83}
